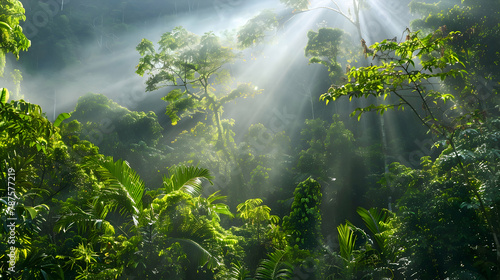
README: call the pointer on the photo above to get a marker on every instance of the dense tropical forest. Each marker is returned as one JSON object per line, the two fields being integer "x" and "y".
{"x": 229, "y": 139}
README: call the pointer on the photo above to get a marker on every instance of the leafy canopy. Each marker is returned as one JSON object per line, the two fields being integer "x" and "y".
{"x": 12, "y": 38}
{"x": 194, "y": 66}
{"x": 400, "y": 75}
{"x": 324, "y": 46}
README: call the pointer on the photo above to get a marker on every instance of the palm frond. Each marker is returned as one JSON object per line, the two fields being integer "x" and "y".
{"x": 187, "y": 179}
{"x": 39, "y": 265}
{"x": 218, "y": 208}
{"x": 275, "y": 267}
{"x": 89, "y": 221}
{"x": 201, "y": 255}
{"x": 124, "y": 188}
{"x": 373, "y": 220}
{"x": 347, "y": 240}
{"x": 238, "y": 272}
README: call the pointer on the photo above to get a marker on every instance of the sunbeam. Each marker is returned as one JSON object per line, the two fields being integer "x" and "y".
{"x": 238, "y": 139}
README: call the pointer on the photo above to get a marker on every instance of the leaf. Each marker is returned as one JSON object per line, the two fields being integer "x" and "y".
{"x": 203, "y": 256}
{"x": 61, "y": 118}
{"x": 187, "y": 179}
{"x": 373, "y": 219}
{"x": 347, "y": 241}
{"x": 124, "y": 188}
{"x": 238, "y": 272}
{"x": 223, "y": 209}
{"x": 4, "y": 96}
{"x": 32, "y": 211}
{"x": 275, "y": 267}
{"x": 4, "y": 25}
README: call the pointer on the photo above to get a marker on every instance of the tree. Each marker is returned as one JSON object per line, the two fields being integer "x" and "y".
{"x": 476, "y": 46}
{"x": 34, "y": 171}
{"x": 195, "y": 65}
{"x": 325, "y": 46}
{"x": 440, "y": 222}
{"x": 173, "y": 223}
{"x": 12, "y": 39}
{"x": 398, "y": 75}
{"x": 129, "y": 135}
{"x": 258, "y": 216}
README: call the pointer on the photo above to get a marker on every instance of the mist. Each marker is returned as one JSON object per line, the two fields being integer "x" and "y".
{"x": 318, "y": 139}
{"x": 106, "y": 64}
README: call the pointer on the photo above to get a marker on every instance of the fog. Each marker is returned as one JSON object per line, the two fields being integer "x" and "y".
{"x": 107, "y": 64}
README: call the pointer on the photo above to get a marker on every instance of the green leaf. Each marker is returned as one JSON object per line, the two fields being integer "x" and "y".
{"x": 61, "y": 118}
{"x": 187, "y": 179}
{"x": 275, "y": 267}
{"x": 373, "y": 220}
{"x": 124, "y": 187}
{"x": 32, "y": 211}
{"x": 4, "y": 96}
{"x": 347, "y": 241}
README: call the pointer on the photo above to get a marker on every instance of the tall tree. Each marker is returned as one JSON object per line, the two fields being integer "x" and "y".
{"x": 194, "y": 67}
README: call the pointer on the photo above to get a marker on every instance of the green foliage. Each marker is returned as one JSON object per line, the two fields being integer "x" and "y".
{"x": 377, "y": 222}
{"x": 194, "y": 64}
{"x": 325, "y": 149}
{"x": 296, "y": 4}
{"x": 255, "y": 213}
{"x": 347, "y": 241}
{"x": 12, "y": 39}
{"x": 175, "y": 218}
{"x": 39, "y": 265}
{"x": 238, "y": 272}
{"x": 325, "y": 46}
{"x": 371, "y": 259}
{"x": 441, "y": 222}
{"x": 399, "y": 74}
{"x": 436, "y": 230}
{"x": 121, "y": 133}
{"x": 476, "y": 46}
{"x": 446, "y": 213}
{"x": 4, "y": 96}
{"x": 108, "y": 120}
{"x": 187, "y": 179}
{"x": 256, "y": 29}
{"x": 44, "y": 169}
{"x": 275, "y": 267}
{"x": 123, "y": 187}
{"x": 304, "y": 222}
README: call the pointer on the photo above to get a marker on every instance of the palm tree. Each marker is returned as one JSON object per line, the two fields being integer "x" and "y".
{"x": 123, "y": 190}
